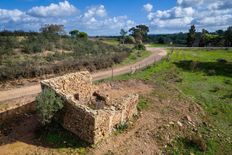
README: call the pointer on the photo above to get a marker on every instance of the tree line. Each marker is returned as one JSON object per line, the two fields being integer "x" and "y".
{"x": 139, "y": 34}
{"x": 218, "y": 38}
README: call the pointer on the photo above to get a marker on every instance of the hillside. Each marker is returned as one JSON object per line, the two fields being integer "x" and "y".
{"x": 47, "y": 54}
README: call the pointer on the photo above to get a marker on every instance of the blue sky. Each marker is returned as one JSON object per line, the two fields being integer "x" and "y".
{"x": 107, "y": 17}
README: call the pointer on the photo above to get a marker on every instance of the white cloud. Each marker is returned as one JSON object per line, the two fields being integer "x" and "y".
{"x": 95, "y": 11}
{"x": 94, "y": 20}
{"x": 190, "y": 3}
{"x": 53, "y": 10}
{"x": 10, "y": 15}
{"x": 148, "y": 7}
{"x": 175, "y": 17}
{"x": 209, "y": 14}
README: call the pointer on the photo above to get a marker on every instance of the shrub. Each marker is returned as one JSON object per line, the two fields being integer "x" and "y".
{"x": 47, "y": 104}
{"x": 86, "y": 54}
{"x": 32, "y": 45}
{"x": 140, "y": 47}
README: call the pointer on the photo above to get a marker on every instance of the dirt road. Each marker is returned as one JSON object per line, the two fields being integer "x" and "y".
{"x": 157, "y": 54}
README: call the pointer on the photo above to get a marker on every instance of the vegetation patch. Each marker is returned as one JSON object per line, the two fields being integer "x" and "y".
{"x": 120, "y": 128}
{"x": 49, "y": 53}
{"x": 143, "y": 104}
{"x": 47, "y": 104}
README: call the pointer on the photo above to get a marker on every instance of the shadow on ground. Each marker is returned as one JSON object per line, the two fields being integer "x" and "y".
{"x": 209, "y": 68}
{"x": 25, "y": 128}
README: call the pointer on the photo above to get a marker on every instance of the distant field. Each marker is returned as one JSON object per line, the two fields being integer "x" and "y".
{"x": 205, "y": 77}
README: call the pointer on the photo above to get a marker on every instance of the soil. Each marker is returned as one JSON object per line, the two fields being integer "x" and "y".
{"x": 167, "y": 117}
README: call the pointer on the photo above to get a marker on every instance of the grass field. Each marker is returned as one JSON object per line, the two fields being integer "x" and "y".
{"x": 159, "y": 45}
{"x": 205, "y": 77}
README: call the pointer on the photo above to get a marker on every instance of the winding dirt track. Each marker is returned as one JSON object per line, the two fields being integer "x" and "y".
{"x": 157, "y": 54}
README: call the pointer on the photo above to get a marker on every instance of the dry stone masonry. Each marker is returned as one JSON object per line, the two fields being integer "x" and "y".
{"x": 89, "y": 111}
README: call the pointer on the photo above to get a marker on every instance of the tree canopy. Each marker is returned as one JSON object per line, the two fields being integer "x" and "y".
{"x": 52, "y": 29}
{"x": 139, "y": 33}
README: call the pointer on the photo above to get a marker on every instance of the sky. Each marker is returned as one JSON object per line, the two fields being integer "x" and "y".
{"x": 107, "y": 17}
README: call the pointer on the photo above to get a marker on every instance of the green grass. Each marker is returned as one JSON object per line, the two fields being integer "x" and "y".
{"x": 143, "y": 104}
{"x": 200, "y": 77}
{"x": 159, "y": 45}
{"x": 134, "y": 57}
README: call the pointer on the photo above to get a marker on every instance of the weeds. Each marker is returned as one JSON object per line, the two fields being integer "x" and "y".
{"x": 143, "y": 104}
{"x": 122, "y": 127}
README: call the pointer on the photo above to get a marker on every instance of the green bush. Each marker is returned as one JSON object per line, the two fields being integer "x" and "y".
{"x": 47, "y": 104}
{"x": 33, "y": 44}
{"x": 140, "y": 47}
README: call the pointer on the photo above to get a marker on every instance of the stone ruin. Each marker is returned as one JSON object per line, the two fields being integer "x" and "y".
{"x": 89, "y": 112}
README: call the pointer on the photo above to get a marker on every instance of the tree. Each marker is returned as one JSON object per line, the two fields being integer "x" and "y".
{"x": 203, "y": 39}
{"x": 83, "y": 35}
{"x": 123, "y": 34}
{"x": 161, "y": 40}
{"x": 144, "y": 30}
{"x": 52, "y": 29}
{"x": 220, "y": 32}
{"x": 136, "y": 33}
{"x": 228, "y": 36}
{"x": 191, "y": 36}
{"x": 77, "y": 34}
{"x": 139, "y": 33}
{"x": 74, "y": 33}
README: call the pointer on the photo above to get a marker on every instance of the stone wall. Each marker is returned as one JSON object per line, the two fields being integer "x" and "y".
{"x": 88, "y": 112}
{"x": 14, "y": 110}
{"x": 107, "y": 119}
{"x": 78, "y": 84}
{"x": 78, "y": 121}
